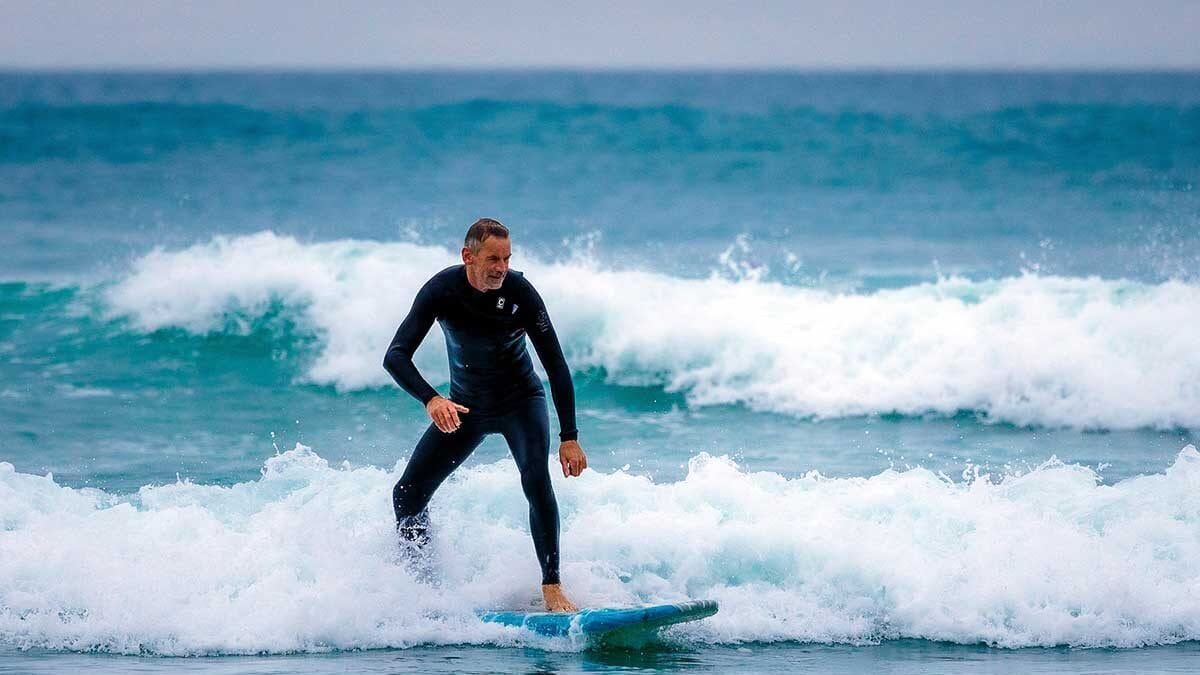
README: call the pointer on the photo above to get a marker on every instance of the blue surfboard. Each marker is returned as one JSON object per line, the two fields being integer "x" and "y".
{"x": 605, "y": 623}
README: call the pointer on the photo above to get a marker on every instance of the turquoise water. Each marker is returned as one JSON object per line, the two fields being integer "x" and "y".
{"x": 900, "y": 368}
{"x": 896, "y": 657}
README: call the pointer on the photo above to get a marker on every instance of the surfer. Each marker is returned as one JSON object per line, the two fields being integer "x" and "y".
{"x": 485, "y": 311}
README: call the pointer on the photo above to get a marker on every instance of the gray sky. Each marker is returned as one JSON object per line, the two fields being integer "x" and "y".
{"x": 695, "y": 33}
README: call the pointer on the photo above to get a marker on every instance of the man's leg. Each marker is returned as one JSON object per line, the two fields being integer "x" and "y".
{"x": 527, "y": 431}
{"x": 437, "y": 454}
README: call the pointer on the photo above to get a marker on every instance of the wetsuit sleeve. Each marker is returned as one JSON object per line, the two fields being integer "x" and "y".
{"x": 545, "y": 342}
{"x": 398, "y": 361}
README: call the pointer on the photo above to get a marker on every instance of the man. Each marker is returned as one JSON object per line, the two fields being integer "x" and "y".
{"x": 485, "y": 312}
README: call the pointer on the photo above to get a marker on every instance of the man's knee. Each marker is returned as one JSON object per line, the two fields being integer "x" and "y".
{"x": 535, "y": 482}
{"x": 401, "y": 491}
{"x": 408, "y": 498}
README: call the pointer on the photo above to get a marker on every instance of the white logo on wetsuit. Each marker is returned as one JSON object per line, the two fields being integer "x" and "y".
{"x": 515, "y": 306}
{"x": 500, "y": 303}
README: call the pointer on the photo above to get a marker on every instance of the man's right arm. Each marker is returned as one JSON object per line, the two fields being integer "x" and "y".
{"x": 398, "y": 361}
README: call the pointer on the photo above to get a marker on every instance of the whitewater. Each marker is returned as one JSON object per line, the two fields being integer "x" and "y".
{"x": 304, "y": 559}
{"x": 1032, "y": 349}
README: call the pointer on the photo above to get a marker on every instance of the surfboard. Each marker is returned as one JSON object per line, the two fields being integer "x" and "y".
{"x": 605, "y": 623}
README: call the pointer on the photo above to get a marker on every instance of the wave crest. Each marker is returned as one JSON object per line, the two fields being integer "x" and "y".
{"x": 1029, "y": 350}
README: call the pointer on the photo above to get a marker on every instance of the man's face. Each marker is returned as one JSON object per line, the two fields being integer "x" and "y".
{"x": 491, "y": 263}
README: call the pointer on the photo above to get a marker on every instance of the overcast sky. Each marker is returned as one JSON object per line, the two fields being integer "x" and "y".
{"x": 694, "y": 33}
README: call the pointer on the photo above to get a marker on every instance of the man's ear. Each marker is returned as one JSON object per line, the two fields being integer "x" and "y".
{"x": 467, "y": 255}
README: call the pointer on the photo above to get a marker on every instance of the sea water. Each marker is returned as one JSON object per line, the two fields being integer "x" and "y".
{"x": 902, "y": 369}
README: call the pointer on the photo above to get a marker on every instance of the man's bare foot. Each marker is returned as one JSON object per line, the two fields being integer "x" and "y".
{"x": 556, "y": 601}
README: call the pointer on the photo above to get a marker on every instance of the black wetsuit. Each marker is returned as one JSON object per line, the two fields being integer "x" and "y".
{"x": 492, "y": 375}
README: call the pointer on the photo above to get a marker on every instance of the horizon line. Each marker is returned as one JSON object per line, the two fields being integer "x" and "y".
{"x": 615, "y": 69}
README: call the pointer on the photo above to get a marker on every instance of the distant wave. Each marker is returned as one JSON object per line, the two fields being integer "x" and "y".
{"x": 1029, "y": 350}
{"x": 304, "y": 560}
{"x": 1121, "y": 144}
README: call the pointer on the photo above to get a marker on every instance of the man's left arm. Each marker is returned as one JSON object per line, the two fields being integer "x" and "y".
{"x": 562, "y": 389}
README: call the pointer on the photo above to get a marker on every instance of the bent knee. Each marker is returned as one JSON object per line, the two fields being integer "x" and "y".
{"x": 415, "y": 494}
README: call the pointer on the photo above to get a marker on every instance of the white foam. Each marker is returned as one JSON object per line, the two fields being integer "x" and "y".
{"x": 352, "y": 294}
{"x": 1083, "y": 352}
{"x": 302, "y": 558}
{"x": 72, "y": 391}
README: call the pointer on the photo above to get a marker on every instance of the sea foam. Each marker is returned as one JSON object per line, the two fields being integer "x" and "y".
{"x": 303, "y": 559}
{"x": 1029, "y": 350}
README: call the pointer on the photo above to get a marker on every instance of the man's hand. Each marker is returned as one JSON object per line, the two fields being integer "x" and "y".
{"x": 444, "y": 413}
{"x": 571, "y": 456}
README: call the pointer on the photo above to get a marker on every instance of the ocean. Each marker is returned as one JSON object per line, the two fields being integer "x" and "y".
{"x": 900, "y": 368}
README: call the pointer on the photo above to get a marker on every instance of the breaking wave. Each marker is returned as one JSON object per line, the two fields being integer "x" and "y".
{"x": 1028, "y": 350}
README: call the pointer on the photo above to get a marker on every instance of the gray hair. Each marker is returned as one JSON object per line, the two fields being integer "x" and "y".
{"x": 481, "y": 230}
